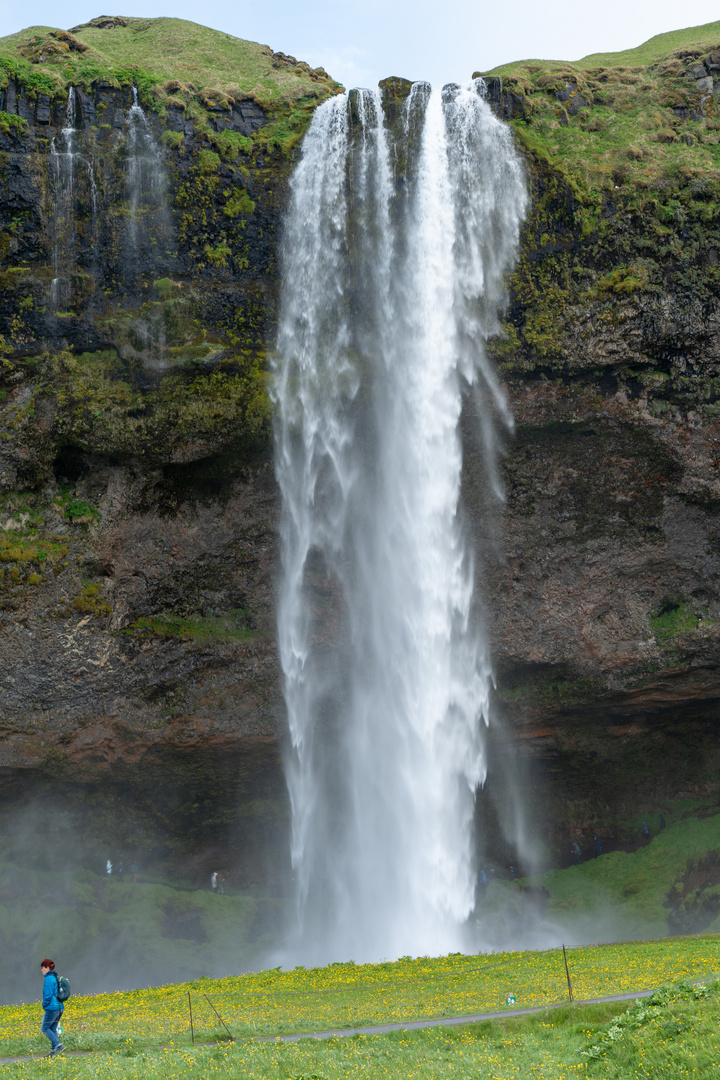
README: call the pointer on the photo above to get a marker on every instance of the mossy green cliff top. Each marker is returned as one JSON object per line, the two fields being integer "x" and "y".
{"x": 171, "y": 60}
{"x": 624, "y": 117}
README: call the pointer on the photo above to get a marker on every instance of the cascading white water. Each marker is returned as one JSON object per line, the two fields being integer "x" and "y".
{"x": 63, "y": 167}
{"x": 396, "y": 243}
{"x": 65, "y": 159}
{"x": 146, "y": 182}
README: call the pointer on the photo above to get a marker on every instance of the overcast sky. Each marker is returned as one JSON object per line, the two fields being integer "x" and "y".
{"x": 361, "y": 42}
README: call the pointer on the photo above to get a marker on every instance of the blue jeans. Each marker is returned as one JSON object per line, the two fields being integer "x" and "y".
{"x": 49, "y": 1026}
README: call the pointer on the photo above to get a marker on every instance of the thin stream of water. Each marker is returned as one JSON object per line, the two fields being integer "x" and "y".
{"x": 66, "y": 161}
{"x": 388, "y": 293}
{"x": 148, "y": 219}
{"x": 62, "y": 163}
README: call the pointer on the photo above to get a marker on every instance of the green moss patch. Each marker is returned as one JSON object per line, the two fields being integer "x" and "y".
{"x": 9, "y": 123}
{"x": 89, "y": 601}
{"x": 231, "y": 143}
{"x": 102, "y": 410}
{"x": 230, "y": 627}
{"x": 216, "y": 69}
{"x": 73, "y": 508}
{"x": 239, "y": 202}
{"x": 31, "y": 548}
{"x": 208, "y": 161}
{"x": 672, "y": 619}
{"x": 28, "y": 554}
{"x": 166, "y": 288}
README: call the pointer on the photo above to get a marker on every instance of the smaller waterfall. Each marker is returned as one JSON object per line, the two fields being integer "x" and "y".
{"x": 62, "y": 161}
{"x": 74, "y": 191}
{"x": 148, "y": 220}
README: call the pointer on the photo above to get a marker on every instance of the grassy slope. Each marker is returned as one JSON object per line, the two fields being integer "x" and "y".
{"x": 705, "y": 37}
{"x": 628, "y": 133}
{"x": 153, "y": 927}
{"x": 349, "y": 995}
{"x": 178, "y": 49}
{"x": 626, "y": 893}
{"x": 671, "y": 1033}
{"x": 163, "y": 50}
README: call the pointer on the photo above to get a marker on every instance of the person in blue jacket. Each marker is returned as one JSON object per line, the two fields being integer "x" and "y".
{"x": 53, "y": 1008}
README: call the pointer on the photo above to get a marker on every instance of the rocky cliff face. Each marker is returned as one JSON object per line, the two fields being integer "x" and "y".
{"x": 606, "y": 593}
{"x": 138, "y": 510}
{"x": 138, "y": 507}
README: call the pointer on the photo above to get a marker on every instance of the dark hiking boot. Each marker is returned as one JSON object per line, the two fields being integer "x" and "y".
{"x": 58, "y": 1049}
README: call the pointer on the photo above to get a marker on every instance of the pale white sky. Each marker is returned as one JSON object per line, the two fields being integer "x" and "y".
{"x": 362, "y": 42}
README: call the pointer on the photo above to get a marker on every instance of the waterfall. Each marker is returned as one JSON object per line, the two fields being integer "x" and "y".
{"x": 148, "y": 218}
{"x": 73, "y": 179}
{"x": 62, "y": 165}
{"x": 396, "y": 243}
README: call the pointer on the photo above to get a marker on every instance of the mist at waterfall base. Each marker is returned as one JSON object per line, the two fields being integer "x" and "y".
{"x": 108, "y": 932}
{"x": 398, "y": 237}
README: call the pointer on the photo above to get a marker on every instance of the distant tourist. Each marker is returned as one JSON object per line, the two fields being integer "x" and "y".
{"x": 662, "y": 822}
{"x": 513, "y": 871}
{"x": 52, "y": 1005}
{"x": 214, "y": 881}
{"x": 577, "y": 853}
{"x": 133, "y": 871}
{"x": 120, "y": 870}
{"x": 108, "y": 868}
{"x": 646, "y": 831}
{"x": 598, "y": 845}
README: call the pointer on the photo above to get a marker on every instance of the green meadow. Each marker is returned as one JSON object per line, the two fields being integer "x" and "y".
{"x": 671, "y": 1033}
{"x": 670, "y": 885}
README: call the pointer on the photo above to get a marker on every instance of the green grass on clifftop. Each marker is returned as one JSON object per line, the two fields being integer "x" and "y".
{"x": 173, "y": 61}
{"x": 636, "y": 117}
{"x": 704, "y": 36}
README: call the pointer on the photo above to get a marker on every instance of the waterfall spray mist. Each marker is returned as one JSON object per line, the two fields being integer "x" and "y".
{"x": 389, "y": 290}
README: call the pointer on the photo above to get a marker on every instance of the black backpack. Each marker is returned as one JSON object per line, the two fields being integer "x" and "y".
{"x": 63, "y": 990}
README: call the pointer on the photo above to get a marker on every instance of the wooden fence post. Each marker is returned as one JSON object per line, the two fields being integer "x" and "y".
{"x": 219, "y": 1017}
{"x": 567, "y": 972}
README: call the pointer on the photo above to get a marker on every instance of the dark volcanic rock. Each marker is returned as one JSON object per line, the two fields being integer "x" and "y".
{"x": 138, "y": 508}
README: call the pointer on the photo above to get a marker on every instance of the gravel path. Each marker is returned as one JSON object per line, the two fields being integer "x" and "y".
{"x": 447, "y": 1021}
